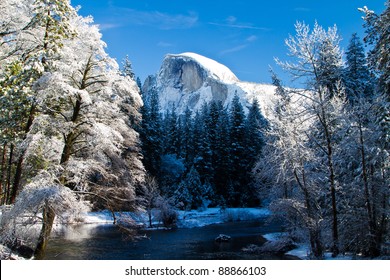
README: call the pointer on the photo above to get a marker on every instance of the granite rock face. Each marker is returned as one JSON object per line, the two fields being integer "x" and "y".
{"x": 190, "y": 80}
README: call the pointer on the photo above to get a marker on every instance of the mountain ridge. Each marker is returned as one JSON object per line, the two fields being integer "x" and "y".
{"x": 189, "y": 80}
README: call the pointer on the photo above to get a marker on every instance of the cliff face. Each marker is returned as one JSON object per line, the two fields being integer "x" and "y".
{"x": 189, "y": 80}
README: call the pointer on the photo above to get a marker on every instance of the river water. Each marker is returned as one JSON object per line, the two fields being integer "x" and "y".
{"x": 106, "y": 242}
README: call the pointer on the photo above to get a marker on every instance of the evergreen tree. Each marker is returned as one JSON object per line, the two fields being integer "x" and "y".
{"x": 222, "y": 156}
{"x": 187, "y": 136}
{"x": 238, "y": 164}
{"x": 202, "y": 148}
{"x": 127, "y": 68}
{"x": 139, "y": 84}
{"x": 215, "y": 110}
{"x": 255, "y": 126}
{"x": 171, "y": 135}
{"x": 357, "y": 78}
{"x": 191, "y": 193}
{"x": 150, "y": 134}
{"x": 378, "y": 36}
{"x": 328, "y": 62}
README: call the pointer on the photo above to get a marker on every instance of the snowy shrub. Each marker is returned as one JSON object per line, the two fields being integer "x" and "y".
{"x": 167, "y": 214}
{"x": 237, "y": 215}
{"x": 21, "y": 221}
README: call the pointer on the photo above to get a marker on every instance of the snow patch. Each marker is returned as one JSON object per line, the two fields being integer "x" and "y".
{"x": 215, "y": 69}
{"x": 187, "y": 219}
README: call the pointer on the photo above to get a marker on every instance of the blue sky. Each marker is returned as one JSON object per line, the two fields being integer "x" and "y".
{"x": 244, "y": 35}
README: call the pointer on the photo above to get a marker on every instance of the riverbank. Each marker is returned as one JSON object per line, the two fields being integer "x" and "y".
{"x": 186, "y": 219}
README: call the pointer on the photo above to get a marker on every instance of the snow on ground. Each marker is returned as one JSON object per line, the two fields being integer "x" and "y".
{"x": 186, "y": 219}
{"x": 190, "y": 219}
{"x": 303, "y": 250}
{"x": 274, "y": 236}
{"x": 6, "y": 254}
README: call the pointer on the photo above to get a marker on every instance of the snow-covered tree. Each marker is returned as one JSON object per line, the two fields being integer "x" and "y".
{"x": 171, "y": 128}
{"x": 127, "y": 68}
{"x": 286, "y": 172}
{"x": 150, "y": 194}
{"x": 151, "y": 134}
{"x": 191, "y": 193}
{"x": 237, "y": 150}
{"x": 37, "y": 42}
{"x": 356, "y": 77}
{"x": 318, "y": 61}
{"x": 363, "y": 179}
{"x": 255, "y": 126}
{"x": 187, "y": 149}
{"x": 378, "y": 35}
{"x": 77, "y": 126}
{"x": 222, "y": 156}
{"x": 202, "y": 146}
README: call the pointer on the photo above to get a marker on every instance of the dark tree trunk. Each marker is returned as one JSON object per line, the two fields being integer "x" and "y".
{"x": 314, "y": 231}
{"x": 19, "y": 166}
{"x": 17, "y": 178}
{"x": 47, "y": 224}
{"x": 67, "y": 150}
{"x": 3, "y": 173}
{"x": 71, "y": 137}
{"x": 9, "y": 173}
{"x": 332, "y": 177}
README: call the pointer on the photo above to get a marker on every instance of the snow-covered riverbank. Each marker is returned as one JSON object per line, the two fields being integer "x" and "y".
{"x": 186, "y": 219}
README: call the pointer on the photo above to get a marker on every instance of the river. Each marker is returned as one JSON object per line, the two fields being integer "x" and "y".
{"x": 106, "y": 242}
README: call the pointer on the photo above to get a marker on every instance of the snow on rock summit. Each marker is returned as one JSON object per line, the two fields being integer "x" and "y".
{"x": 190, "y": 80}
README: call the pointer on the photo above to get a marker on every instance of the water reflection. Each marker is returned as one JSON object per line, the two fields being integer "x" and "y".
{"x": 108, "y": 243}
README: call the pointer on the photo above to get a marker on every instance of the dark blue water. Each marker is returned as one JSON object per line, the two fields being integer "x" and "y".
{"x": 109, "y": 243}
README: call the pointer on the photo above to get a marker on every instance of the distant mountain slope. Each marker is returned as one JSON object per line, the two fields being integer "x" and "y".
{"x": 189, "y": 80}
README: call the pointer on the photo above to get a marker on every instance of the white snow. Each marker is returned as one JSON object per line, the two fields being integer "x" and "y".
{"x": 187, "y": 219}
{"x": 274, "y": 236}
{"x": 216, "y": 216}
{"x": 7, "y": 254}
{"x": 302, "y": 251}
{"x": 215, "y": 69}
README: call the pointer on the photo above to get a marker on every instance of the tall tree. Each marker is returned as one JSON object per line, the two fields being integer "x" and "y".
{"x": 222, "y": 156}
{"x": 150, "y": 133}
{"x": 356, "y": 77}
{"x": 318, "y": 60}
{"x": 237, "y": 149}
{"x": 48, "y": 27}
{"x": 378, "y": 35}
{"x": 255, "y": 126}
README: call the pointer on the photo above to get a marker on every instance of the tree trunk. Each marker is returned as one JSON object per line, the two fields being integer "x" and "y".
{"x": 9, "y": 173}
{"x": 19, "y": 166}
{"x": 47, "y": 225}
{"x": 150, "y": 217}
{"x": 314, "y": 231}
{"x": 71, "y": 137}
{"x": 332, "y": 178}
{"x": 17, "y": 178}
{"x": 67, "y": 150}
{"x": 3, "y": 173}
{"x": 373, "y": 245}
